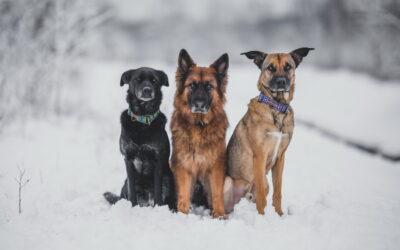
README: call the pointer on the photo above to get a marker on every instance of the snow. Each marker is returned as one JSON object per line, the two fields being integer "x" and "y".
{"x": 362, "y": 108}
{"x": 334, "y": 197}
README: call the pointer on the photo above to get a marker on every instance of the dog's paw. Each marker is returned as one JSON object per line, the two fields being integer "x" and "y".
{"x": 128, "y": 148}
{"x": 279, "y": 211}
{"x": 260, "y": 205}
{"x": 183, "y": 207}
{"x": 219, "y": 216}
{"x": 146, "y": 152}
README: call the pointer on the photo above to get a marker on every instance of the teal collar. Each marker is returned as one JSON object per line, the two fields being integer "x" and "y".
{"x": 146, "y": 119}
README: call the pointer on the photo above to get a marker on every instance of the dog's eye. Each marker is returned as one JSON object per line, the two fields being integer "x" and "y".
{"x": 287, "y": 67}
{"x": 209, "y": 86}
{"x": 138, "y": 79}
{"x": 271, "y": 68}
{"x": 192, "y": 85}
{"x": 154, "y": 80}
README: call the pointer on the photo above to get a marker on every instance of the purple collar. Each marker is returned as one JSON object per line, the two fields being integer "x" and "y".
{"x": 273, "y": 104}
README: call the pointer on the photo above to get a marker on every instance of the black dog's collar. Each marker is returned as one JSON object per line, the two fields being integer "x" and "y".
{"x": 145, "y": 119}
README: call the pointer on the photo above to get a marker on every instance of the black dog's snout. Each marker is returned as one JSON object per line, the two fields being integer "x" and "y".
{"x": 147, "y": 91}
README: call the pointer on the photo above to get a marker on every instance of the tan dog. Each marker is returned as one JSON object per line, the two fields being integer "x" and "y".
{"x": 261, "y": 138}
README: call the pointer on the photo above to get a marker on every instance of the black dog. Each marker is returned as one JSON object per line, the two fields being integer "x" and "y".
{"x": 144, "y": 142}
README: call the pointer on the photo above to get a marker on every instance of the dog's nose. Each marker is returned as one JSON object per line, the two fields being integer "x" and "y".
{"x": 200, "y": 104}
{"x": 281, "y": 82}
{"x": 146, "y": 91}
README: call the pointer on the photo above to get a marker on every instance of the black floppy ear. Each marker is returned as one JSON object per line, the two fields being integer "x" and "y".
{"x": 126, "y": 77}
{"x": 257, "y": 57}
{"x": 163, "y": 78}
{"x": 184, "y": 61}
{"x": 221, "y": 65}
{"x": 298, "y": 54}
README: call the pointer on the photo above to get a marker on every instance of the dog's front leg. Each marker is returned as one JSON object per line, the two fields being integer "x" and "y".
{"x": 170, "y": 189}
{"x": 259, "y": 162}
{"x": 277, "y": 171}
{"x": 132, "y": 177}
{"x": 229, "y": 194}
{"x": 184, "y": 182}
{"x": 158, "y": 184}
{"x": 217, "y": 189}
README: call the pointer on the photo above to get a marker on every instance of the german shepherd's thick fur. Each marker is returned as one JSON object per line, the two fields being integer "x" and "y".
{"x": 198, "y": 128}
{"x": 261, "y": 138}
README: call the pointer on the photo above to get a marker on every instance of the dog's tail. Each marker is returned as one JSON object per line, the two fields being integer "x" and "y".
{"x": 111, "y": 198}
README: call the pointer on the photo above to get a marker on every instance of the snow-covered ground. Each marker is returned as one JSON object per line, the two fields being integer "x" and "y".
{"x": 334, "y": 196}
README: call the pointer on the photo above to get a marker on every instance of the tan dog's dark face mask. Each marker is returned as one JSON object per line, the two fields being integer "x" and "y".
{"x": 277, "y": 70}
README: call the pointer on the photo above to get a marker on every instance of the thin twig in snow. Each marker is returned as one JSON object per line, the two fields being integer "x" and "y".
{"x": 21, "y": 183}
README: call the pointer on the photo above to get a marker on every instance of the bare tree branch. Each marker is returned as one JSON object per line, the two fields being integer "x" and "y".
{"x": 21, "y": 183}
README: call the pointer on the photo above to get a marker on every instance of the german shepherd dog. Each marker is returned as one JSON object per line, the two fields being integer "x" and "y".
{"x": 144, "y": 142}
{"x": 262, "y": 136}
{"x": 198, "y": 127}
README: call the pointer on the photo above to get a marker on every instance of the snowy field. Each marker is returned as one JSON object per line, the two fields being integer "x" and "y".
{"x": 334, "y": 197}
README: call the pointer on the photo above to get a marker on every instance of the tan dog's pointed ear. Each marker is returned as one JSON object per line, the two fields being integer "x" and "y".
{"x": 298, "y": 54}
{"x": 221, "y": 65}
{"x": 184, "y": 62}
{"x": 258, "y": 57}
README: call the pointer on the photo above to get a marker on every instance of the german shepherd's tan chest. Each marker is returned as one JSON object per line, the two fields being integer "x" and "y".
{"x": 197, "y": 153}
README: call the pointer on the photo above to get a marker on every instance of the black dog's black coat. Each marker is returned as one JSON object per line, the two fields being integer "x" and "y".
{"x": 146, "y": 148}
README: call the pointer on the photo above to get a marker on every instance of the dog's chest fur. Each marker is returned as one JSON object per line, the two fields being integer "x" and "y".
{"x": 134, "y": 134}
{"x": 279, "y": 134}
{"x": 200, "y": 147}
{"x": 262, "y": 131}
{"x": 280, "y": 141}
{"x": 274, "y": 130}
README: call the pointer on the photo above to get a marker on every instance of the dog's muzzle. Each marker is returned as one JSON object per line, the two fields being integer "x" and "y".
{"x": 279, "y": 84}
{"x": 146, "y": 92}
{"x": 199, "y": 106}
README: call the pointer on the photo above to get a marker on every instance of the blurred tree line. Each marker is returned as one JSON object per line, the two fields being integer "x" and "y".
{"x": 39, "y": 41}
{"x": 360, "y": 35}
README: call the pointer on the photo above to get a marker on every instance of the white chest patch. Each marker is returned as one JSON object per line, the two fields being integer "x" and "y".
{"x": 138, "y": 164}
{"x": 278, "y": 139}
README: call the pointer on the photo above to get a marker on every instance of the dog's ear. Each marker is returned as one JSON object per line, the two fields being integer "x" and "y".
{"x": 221, "y": 65}
{"x": 126, "y": 77}
{"x": 184, "y": 61}
{"x": 298, "y": 54}
{"x": 258, "y": 57}
{"x": 163, "y": 78}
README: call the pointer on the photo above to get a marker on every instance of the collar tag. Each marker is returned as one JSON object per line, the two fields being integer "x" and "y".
{"x": 273, "y": 104}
